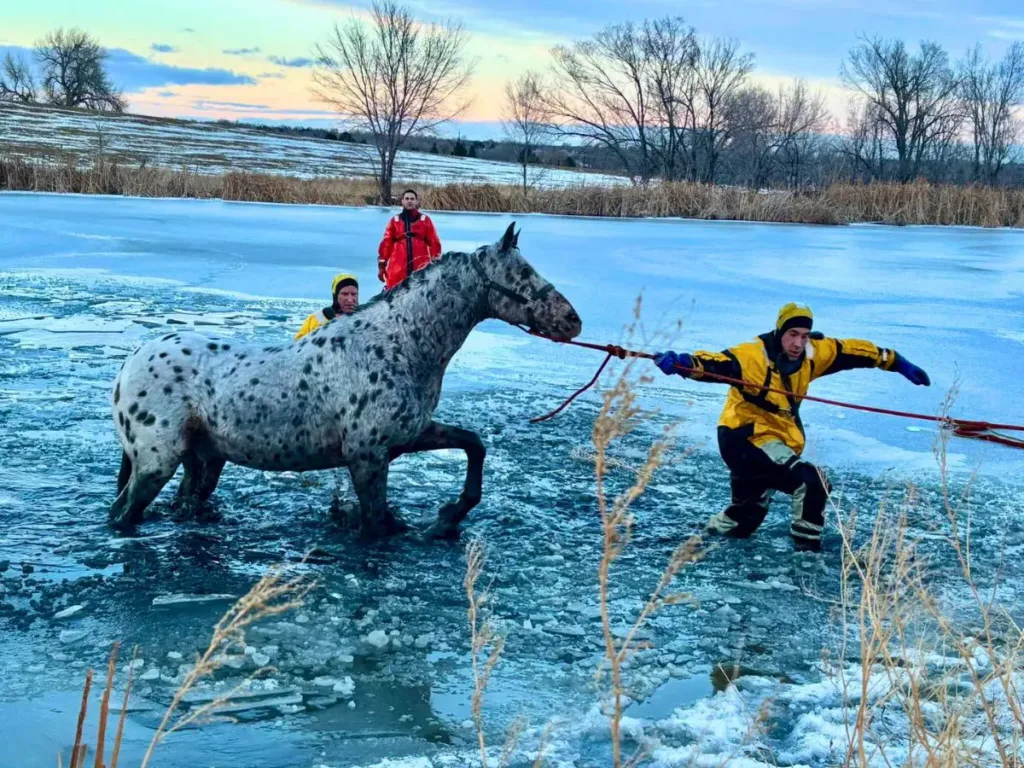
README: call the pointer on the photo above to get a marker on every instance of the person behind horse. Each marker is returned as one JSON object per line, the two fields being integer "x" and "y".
{"x": 345, "y": 293}
{"x": 410, "y": 243}
{"x": 760, "y": 434}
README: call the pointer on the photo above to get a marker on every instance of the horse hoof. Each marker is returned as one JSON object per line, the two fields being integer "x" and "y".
{"x": 122, "y": 524}
{"x": 443, "y": 532}
{"x": 396, "y": 525}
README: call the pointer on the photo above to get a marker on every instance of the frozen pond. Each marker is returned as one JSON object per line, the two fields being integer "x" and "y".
{"x": 84, "y": 279}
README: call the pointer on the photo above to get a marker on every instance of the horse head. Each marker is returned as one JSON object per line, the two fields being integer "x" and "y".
{"x": 516, "y": 293}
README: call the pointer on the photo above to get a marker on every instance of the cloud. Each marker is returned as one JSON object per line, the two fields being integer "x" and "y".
{"x": 163, "y": 48}
{"x": 207, "y": 105}
{"x": 166, "y": 94}
{"x": 296, "y": 62}
{"x": 132, "y": 72}
{"x": 240, "y": 51}
{"x": 271, "y": 76}
{"x": 189, "y": 30}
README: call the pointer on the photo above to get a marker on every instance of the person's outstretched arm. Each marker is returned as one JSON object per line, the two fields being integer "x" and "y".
{"x": 692, "y": 366}
{"x": 835, "y": 355}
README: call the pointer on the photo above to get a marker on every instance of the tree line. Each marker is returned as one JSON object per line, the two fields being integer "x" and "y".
{"x": 654, "y": 100}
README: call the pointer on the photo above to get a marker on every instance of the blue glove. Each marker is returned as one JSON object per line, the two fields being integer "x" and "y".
{"x": 668, "y": 362}
{"x": 911, "y": 372}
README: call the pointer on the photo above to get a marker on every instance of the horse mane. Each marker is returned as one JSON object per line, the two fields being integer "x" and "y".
{"x": 419, "y": 276}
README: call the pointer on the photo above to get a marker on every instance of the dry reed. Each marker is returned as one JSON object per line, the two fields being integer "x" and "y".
{"x": 619, "y": 416}
{"x": 887, "y": 203}
{"x": 271, "y": 595}
{"x": 482, "y": 636}
{"x": 964, "y": 711}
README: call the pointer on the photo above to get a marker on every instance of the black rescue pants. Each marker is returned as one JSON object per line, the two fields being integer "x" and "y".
{"x": 755, "y": 475}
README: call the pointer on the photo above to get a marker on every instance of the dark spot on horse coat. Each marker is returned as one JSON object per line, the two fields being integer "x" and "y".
{"x": 168, "y": 389}
{"x": 362, "y": 404}
{"x": 303, "y": 385}
{"x": 307, "y": 368}
{"x": 117, "y": 393}
{"x": 225, "y": 347}
{"x": 165, "y": 423}
{"x": 373, "y": 377}
{"x": 320, "y": 341}
{"x": 297, "y": 422}
{"x": 254, "y": 382}
{"x": 186, "y": 351}
{"x": 132, "y": 409}
{"x": 379, "y": 351}
{"x": 142, "y": 393}
{"x": 150, "y": 420}
{"x": 163, "y": 355}
{"x": 120, "y": 418}
{"x": 177, "y": 369}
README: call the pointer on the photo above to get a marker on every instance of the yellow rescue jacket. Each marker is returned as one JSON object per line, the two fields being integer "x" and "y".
{"x": 315, "y": 320}
{"x": 765, "y": 416}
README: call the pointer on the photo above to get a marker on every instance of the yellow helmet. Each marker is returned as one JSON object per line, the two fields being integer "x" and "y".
{"x": 341, "y": 278}
{"x": 794, "y": 316}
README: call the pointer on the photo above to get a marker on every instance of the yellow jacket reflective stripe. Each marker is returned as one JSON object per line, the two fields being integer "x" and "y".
{"x": 313, "y": 322}
{"x": 771, "y": 416}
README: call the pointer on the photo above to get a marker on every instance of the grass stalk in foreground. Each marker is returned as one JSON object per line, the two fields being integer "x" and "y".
{"x": 271, "y": 595}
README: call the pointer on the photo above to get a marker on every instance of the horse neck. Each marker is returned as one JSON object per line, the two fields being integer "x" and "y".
{"x": 438, "y": 316}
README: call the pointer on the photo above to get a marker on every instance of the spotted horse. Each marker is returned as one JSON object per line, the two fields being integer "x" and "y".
{"x": 358, "y": 392}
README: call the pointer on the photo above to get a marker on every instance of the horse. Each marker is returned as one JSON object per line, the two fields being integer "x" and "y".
{"x": 357, "y": 392}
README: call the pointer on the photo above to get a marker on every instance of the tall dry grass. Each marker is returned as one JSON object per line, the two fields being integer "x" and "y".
{"x": 898, "y": 204}
{"x": 953, "y": 673}
{"x": 274, "y": 594}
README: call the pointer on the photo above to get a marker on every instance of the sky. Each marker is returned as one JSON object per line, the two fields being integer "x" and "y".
{"x": 250, "y": 59}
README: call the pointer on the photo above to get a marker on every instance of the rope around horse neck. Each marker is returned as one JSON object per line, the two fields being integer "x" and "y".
{"x": 980, "y": 430}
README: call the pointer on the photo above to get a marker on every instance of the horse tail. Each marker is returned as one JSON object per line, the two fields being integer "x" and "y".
{"x": 125, "y": 474}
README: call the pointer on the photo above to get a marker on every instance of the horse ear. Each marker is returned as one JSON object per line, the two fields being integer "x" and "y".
{"x": 508, "y": 239}
{"x": 515, "y": 238}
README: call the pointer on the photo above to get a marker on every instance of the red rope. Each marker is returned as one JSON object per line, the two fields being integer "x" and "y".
{"x": 978, "y": 430}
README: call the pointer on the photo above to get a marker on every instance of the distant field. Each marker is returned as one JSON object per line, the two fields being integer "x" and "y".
{"x": 53, "y": 135}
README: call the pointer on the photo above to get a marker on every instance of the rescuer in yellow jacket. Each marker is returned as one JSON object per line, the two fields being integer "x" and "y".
{"x": 345, "y": 293}
{"x": 760, "y": 434}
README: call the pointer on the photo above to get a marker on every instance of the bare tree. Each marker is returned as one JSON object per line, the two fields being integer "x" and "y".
{"x": 864, "y": 142}
{"x": 525, "y": 119}
{"x": 671, "y": 48}
{"x": 720, "y": 71}
{"x": 754, "y": 129}
{"x": 915, "y": 98}
{"x": 74, "y": 73}
{"x": 16, "y": 81}
{"x": 601, "y": 96}
{"x": 393, "y": 78}
{"x": 992, "y": 94}
{"x": 802, "y": 124}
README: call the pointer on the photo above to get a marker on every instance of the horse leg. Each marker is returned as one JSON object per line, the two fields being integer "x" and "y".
{"x": 211, "y": 476}
{"x": 191, "y": 478}
{"x": 436, "y": 437}
{"x": 370, "y": 480}
{"x": 144, "y": 486}
{"x": 125, "y": 474}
